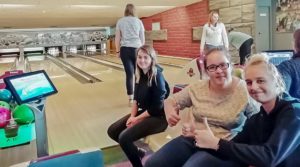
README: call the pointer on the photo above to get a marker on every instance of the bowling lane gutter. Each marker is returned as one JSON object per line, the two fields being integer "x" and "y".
{"x": 71, "y": 69}
{"x": 102, "y": 62}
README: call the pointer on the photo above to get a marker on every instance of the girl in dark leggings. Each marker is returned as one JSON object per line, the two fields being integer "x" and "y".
{"x": 147, "y": 114}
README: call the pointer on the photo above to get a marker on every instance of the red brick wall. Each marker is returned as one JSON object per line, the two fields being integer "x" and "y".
{"x": 179, "y": 23}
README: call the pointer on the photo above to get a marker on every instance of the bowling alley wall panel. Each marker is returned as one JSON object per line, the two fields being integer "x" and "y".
{"x": 184, "y": 24}
{"x": 178, "y": 23}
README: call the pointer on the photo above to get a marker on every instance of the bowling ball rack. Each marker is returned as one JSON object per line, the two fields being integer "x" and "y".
{"x": 13, "y": 134}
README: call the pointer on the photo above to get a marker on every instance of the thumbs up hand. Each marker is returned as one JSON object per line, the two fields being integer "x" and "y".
{"x": 188, "y": 130}
{"x": 205, "y": 138}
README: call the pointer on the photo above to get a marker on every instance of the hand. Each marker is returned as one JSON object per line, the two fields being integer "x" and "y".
{"x": 132, "y": 121}
{"x": 201, "y": 52}
{"x": 188, "y": 130}
{"x": 205, "y": 138}
{"x": 172, "y": 115}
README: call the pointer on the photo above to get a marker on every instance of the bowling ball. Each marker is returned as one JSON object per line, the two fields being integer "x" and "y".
{"x": 23, "y": 114}
{"x": 5, "y": 95}
{"x": 4, "y": 117}
{"x": 4, "y": 104}
{"x": 238, "y": 72}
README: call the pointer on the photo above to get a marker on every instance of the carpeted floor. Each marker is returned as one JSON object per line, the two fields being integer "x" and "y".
{"x": 114, "y": 156}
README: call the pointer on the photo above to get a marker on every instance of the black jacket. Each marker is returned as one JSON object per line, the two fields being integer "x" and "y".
{"x": 268, "y": 140}
{"x": 151, "y": 98}
{"x": 290, "y": 71}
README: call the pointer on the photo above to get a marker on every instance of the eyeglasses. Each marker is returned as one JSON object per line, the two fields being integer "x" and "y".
{"x": 213, "y": 68}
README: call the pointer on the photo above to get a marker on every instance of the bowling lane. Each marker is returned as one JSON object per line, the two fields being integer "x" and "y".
{"x": 41, "y": 62}
{"x": 181, "y": 62}
{"x": 98, "y": 70}
{"x": 163, "y": 60}
{"x": 169, "y": 71}
{"x": 110, "y": 58}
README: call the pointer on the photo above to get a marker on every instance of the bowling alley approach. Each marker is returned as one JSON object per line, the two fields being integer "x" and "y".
{"x": 158, "y": 83}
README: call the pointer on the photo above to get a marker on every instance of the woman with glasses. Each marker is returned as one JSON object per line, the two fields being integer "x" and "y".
{"x": 223, "y": 99}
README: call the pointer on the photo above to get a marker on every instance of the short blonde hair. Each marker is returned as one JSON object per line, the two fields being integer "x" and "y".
{"x": 262, "y": 58}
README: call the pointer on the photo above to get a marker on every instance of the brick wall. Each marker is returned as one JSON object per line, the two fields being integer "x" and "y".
{"x": 179, "y": 22}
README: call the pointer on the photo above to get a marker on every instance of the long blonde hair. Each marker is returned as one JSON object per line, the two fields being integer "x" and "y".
{"x": 262, "y": 58}
{"x": 210, "y": 16}
{"x": 149, "y": 50}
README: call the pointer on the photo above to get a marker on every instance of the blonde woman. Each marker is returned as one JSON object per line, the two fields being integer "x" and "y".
{"x": 214, "y": 34}
{"x": 147, "y": 114}
{"x": 269, "y": 138}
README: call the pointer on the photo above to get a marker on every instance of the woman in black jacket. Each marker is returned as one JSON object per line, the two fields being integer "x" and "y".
{"x": 270, "y": 138}
{"x": 147, "y": 114}
{"x": 289, "y": 69}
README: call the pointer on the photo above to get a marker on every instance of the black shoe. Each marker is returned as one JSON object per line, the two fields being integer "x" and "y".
{"x": 141, "y": 152}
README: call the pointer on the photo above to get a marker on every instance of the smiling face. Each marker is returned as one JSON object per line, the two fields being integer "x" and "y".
{"x": 144, "y": 61}
{"x": 260, "y": 83}
{"x": 218, "y": 68}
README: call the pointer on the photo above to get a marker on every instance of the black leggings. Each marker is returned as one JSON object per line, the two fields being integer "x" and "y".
{"x": 126, "y": 136}
{"x": 245, "y": 50}
{"x": 128, "y": 57}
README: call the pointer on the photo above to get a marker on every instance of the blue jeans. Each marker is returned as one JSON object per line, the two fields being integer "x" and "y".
{"x": 182, "y": 151}
{"x": 128, "y": 57}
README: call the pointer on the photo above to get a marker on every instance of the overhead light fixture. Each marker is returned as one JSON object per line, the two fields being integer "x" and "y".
{"x": 91, "y": 6}
{"x": 156, "y": 7}
{"x": 16, "y": 6}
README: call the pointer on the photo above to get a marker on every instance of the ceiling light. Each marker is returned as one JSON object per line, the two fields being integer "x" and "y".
{"x": 16, "y": 6}
{"x": 155, "y": 7}
{"x": 91, "y": 6}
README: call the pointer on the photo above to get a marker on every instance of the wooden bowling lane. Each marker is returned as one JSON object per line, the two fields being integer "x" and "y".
{"x": 169, "y": 71}
{"x": 41, "y": 62}
{"x": 163, "y": 60}
{"x": 175, "y": 61}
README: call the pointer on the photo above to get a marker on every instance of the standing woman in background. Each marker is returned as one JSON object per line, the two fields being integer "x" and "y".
{"x": 129, "y": 36}
{"x": 213, "y": 34}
